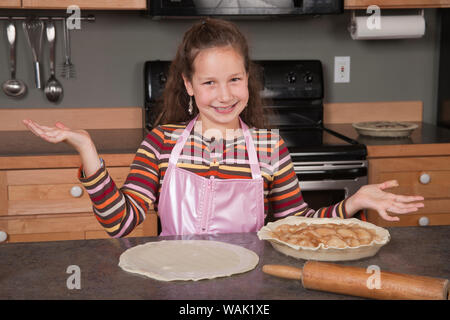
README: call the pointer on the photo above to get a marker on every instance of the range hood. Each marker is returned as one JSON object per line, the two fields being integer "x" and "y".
{"x": 236, "y": 8}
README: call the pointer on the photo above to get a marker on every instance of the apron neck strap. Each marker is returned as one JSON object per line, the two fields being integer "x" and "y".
{"x": 176, "y": 151}
{"x": 252, "y": 156}
{"x": 251, "y": 151}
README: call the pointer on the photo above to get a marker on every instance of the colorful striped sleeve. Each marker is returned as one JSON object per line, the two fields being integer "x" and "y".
{"x": 285, "y": 196}
{"x": 120, "y": 210}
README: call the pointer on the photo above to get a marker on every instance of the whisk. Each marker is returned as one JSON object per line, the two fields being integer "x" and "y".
{"x": 33, "y": 29}
{"x": 67, "y": 67}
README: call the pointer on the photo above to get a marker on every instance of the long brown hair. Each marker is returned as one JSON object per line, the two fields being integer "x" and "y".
{"x": 208, "y": 33}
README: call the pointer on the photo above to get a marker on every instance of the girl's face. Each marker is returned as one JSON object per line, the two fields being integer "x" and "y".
{"x": 220, "y": 87}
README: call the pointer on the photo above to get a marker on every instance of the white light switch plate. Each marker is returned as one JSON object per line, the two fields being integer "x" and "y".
{"x": 341, "y": 69}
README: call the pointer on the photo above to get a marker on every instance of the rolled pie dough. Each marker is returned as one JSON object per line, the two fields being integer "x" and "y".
{"x": 170, "y": 260}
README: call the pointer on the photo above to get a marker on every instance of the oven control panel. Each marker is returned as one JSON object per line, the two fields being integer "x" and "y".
{"x": 285, "y": 79}
{"x": 292, "y": 79}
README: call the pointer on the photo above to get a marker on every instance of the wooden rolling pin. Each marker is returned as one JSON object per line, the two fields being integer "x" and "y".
{"x": 354, "y": 281}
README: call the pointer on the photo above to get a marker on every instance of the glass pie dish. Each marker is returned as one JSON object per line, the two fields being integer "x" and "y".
{"x": 387, "y": 129}
{"x": 325, "y": 239}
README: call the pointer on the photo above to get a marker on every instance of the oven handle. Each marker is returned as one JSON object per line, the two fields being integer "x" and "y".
{"x": 335, "y": 165}
{"x": 350, "y": 186}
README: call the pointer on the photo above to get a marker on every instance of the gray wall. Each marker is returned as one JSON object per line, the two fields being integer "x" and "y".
{"x": 109, "y": 56}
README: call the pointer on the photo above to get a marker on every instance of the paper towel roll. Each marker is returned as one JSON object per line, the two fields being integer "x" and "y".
{"x": 390, "y": 27}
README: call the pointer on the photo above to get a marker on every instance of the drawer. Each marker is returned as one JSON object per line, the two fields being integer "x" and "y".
{"x": 411, "y": 220}
{"x": 425, "y": 176}
{"x": 73, "y": 226}
{"x": 46, "y": 191}
{"x": 427, "y": 183}
{"x": 50, "y": 223}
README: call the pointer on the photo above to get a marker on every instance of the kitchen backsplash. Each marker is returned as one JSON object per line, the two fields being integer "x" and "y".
{"x": 109, "y": 55}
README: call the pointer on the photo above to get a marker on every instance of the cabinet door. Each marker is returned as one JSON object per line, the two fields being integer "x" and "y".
{"x": 425, "y": 176}
{"x": 10, "y": 4}
{"x": 86, "y": 4}
{"x": 363, "y": 4}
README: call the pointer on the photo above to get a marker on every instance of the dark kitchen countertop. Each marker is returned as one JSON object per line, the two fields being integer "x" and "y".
{"x": 426, "y": 133}
{"x": 25, "y": 143}
{"x": 119, "y": 141}
{"x": 38, "y": 270}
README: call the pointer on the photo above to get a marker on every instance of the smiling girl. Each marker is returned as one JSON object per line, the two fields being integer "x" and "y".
{"x": 206, "y": 167}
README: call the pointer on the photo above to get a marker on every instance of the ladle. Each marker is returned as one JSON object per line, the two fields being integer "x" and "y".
{"x": 13, "y": 87}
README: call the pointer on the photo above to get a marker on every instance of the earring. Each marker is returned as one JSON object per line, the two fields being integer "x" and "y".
{"x": 191, "y": 108}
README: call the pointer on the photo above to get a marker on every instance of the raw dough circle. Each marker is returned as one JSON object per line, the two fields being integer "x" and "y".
{"x": 170, "y": 260}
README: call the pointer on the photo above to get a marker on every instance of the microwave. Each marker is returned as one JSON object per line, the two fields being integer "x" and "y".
{"x": 244, "y": 8}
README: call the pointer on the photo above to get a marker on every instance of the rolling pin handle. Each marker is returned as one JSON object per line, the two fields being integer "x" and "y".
{"x": 286, "y": 272}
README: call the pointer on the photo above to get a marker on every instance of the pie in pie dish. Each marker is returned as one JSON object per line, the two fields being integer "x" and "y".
{"x": 325, "y": 239}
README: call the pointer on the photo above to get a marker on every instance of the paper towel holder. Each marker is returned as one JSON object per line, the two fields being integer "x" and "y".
{"x": 352, "y": 25}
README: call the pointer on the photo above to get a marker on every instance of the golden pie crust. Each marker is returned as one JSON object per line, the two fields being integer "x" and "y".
{"x": 325, "y": 239}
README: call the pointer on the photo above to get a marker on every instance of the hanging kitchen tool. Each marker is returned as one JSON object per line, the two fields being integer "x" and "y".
{"x": 13, "y": 87}
{"x": 358, "y": 282}
{"x": 33, "y": 29}
{"x": 67, "y": 68}
{"x": 53, "y": 88}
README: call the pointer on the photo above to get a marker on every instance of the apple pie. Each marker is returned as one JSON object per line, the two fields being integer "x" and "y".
{"x": 326, "y": 239}
{"x": 330, "y": 235}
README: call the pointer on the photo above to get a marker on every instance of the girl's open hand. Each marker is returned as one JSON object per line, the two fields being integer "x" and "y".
{"x": 374, "y": 197}
{"x": 60, "y": 133}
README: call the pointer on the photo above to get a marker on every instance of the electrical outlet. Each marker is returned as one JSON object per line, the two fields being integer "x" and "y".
{"x": 341, "y": 69}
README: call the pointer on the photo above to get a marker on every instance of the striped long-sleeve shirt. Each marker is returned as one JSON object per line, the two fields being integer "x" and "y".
{"x": 120, "y": 210}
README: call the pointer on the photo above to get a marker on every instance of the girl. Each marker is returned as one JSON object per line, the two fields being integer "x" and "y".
{"x": 203, "y": 168}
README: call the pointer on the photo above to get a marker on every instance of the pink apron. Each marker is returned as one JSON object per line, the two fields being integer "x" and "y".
{"x": 192, "y": 204}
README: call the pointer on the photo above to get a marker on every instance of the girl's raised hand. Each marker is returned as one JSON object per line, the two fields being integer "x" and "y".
{"x": 78, "y": 139}
{"x": 374, "y": 197}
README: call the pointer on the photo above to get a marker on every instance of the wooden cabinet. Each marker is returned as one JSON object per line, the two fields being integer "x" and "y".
{"x": 83, "y": 4}
{"x": 420, "y": 166}
{"x": 10, "y": 4}
{"x": 396, "y": 4}
{"x": 142, "y": 4}
{"x": 417, "y": 175}
{"x": 46, "y": 205}
{"x": 40, "y": 197}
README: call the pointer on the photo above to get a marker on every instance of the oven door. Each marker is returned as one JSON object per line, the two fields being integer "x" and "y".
{"x": 320, "y": 194}
{"x": 326, "y": 183}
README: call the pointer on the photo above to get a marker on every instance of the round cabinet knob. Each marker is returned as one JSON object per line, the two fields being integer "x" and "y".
{"x": 76, "y": 191}
{"x": 425, "y": 178}
{"x": 3, "y": 236}
{"x": 424, "y": 221}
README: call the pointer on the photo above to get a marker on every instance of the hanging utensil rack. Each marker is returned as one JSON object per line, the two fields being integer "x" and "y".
{"x": 61, "y": 17}
{"x": 89, "y": 18}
